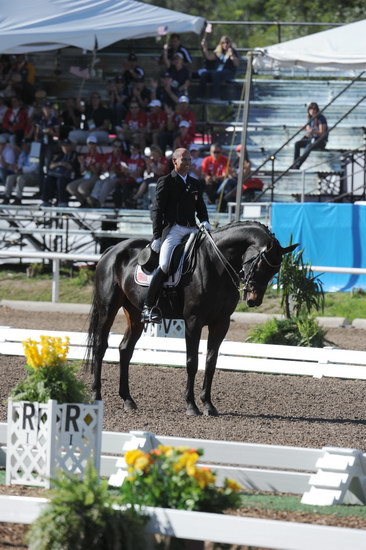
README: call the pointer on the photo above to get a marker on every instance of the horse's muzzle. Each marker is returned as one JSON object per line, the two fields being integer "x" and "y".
{"x": 253, "y": 297}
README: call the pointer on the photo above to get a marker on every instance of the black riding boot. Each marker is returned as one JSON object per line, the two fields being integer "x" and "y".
{"x": 151, "y": 313}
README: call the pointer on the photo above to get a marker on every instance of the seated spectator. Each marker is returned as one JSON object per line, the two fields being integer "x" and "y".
{"x": 95, "y": 121}
{"x": 46, "y": 131}
{"x": 214, "y": 171}
{"x": 140, "y": 93}
{"x": 118, "y": 99}
{"x": 132, "y": 71}
{"x": 163, "y": 91}
{"x": 3, "y": 109}
{"x": 316, "y": 136}
{"x": 64, "y": 167}
{"x": 22, "y": 74}
{"x": 184, "y": 138}
{"x": 15, "y": 121}
{"x": 8, "y": 157}
{"x": 180, "y": 76}
{"x": 172, "y": 47}
{"x": 25, "y": 173}
{"x": 70, "y": 118}
{"x": 182, "y": 112}
{"x": 134, "y": 127}
{"x": 131, "y": 178}
{"x": 114, "y": 167}
{"x": 157, "y": 122}
{"x": 227, "y": 62}
{"x": 228, "y": 188}
{"x": 91, "y": 166}
{"x": 196, "y": 161}
{"x": 157, "y": 165}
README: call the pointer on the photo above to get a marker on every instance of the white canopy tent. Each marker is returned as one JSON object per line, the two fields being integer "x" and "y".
{"x": 342, "y": 48}
{"x": 40, "y": 25}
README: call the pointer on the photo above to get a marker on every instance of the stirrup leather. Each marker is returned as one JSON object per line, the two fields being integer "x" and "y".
{"x": 151, "y": 315}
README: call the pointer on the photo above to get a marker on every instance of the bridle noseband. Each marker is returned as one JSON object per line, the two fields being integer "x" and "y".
{"x": 247, "y": 278}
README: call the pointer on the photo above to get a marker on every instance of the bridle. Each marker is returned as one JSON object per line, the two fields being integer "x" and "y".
{"x": 244, "y": 279}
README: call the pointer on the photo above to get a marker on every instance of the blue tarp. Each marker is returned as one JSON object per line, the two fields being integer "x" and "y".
{"x": 332, "y": 235}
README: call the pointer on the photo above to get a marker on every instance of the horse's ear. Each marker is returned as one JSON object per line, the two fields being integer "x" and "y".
{"x": 289, "y": 248}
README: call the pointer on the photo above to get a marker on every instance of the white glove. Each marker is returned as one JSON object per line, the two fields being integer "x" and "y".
{"x": 206, "y": 225}
{"x": 155, "y": 245}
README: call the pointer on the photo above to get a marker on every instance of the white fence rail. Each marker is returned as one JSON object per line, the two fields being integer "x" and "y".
{"x": 56, "y": 257}
{"x": 245, "y": 357}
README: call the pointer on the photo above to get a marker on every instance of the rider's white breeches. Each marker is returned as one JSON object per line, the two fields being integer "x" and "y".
{"x": 174, "y": 237}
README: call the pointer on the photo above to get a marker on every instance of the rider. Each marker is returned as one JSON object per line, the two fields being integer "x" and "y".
{"x": 178, "y": 198}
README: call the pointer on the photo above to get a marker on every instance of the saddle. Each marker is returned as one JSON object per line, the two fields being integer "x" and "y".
{"x": 144, "y": 273}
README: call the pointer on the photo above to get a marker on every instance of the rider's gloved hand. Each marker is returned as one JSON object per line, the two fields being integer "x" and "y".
{"x": 155, "y": 245}
{"x": 206, "y": 225}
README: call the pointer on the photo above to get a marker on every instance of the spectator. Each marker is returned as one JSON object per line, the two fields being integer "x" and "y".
{"x": 227, "y": 61}
{"x": 184, "y": 139}
{"x": 3, "y": 109}
{"x": 15, "y": 121}
{"x": 316, "y": 136}
{"x": 228, "y": 188}
{"x": 90, "y": 167}
{"x": 25, "y": 173}
{"x": 118, "y": 99}
{"x": 157, "y": 165}
{"x": 214, "y": 171}
{"x": 64, "y": 167}
{"x": 130, "y": 180}
{"x": 140, "y": 93}
{"x": 132, "y": 70}
{"x": 114, "y": 167}
{"x": 157, "y": 122}
{"x": 5, "y": 69}
{"x": 95, "y": 121}
{"x": 180, "y": 76}
{"x": 196, "y": 161}
{"x": 172, "y": 47}
{"x": 182, "y": 112}
{"x": 134, "y": 127}
{"x": 46, "y": 132}
{"x": 22, "y": 74}
{"x": 70, "y": 118}
{"x": 8, "y": 159}
{"x": 164, "y": 91}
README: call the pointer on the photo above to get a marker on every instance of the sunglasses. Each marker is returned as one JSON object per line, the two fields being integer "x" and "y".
{"x": 216, "y": 152}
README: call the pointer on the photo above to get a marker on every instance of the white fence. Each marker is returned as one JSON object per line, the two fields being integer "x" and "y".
{"x": 245, "y": 357}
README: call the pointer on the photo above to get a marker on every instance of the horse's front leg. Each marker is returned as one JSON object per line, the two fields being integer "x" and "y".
{"x": 126, "y": 349}
{"x": 216, "y": 334}
{"x": 193, "y": 335}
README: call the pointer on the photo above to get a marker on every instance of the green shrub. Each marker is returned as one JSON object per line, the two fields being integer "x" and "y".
{"x": 300, "y": 331}
{"x": 80, "y": 516}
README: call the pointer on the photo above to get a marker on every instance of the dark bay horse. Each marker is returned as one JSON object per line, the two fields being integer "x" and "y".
{"x": 241, "y": 253}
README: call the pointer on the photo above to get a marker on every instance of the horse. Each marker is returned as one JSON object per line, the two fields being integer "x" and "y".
{"x": 238, "y": 253}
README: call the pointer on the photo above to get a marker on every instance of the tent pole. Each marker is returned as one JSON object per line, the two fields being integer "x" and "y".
{"x": 248, "y": 83}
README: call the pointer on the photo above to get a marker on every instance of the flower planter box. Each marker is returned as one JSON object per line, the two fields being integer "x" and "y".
{"x": 45, "y": 437}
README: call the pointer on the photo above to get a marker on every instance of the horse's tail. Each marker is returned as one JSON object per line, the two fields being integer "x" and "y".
{"x": 92, "y": 334}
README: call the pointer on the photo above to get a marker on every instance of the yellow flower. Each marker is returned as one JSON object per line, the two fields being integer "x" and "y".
{"x": 166, "y": 450}
{"x": 204, "y": 477}
{"x": 132, "y": 456}
{"x": 142, "y": 463}
{"x": 188, "y": 458}
{"x": 53, "y": 351}
{"x": 232, "y": 484}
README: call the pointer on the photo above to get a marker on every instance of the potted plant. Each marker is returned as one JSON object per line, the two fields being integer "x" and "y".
{"x": 169, "y": 477}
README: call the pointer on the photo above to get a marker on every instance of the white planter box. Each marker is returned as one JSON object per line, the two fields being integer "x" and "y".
{"x": 45, "y": 437}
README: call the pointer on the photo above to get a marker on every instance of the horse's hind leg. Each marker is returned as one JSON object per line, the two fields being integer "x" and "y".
{"x": 216, "y": 335}
{"x": 193, "y": 335}
{"x": 104, "y": 321}
{"x": 127, "y": 346}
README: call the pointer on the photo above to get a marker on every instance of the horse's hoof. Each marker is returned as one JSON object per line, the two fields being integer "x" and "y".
{"x": 210, "y": 411}
{"x": 129, "y": 405}
{"x": 193, "y": 410}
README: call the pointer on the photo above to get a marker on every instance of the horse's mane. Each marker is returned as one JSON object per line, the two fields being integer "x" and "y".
{"x": 245, "y": 223}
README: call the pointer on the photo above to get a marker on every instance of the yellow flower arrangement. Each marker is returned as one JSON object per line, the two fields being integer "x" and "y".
{"x": 171, "y": 477}
{"x": 52, "y": 351}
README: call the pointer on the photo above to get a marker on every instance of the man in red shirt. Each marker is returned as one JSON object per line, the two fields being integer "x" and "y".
{"x": 157, "y": 121}
{"x": 91, "y": 166}
{"x": 134, "y": 126}
{"x": 214, "y": 170}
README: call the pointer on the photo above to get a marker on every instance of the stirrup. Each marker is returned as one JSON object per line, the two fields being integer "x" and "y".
{"x": 151, "y": 315}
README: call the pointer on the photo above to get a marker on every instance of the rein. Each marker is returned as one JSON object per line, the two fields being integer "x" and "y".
{"x": 241, "y": 277}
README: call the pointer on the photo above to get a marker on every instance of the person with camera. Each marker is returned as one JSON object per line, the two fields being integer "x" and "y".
{"x": 316, "y": 136}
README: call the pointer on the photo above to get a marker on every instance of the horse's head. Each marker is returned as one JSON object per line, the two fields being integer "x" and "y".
{"x": 260, "y": 265}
